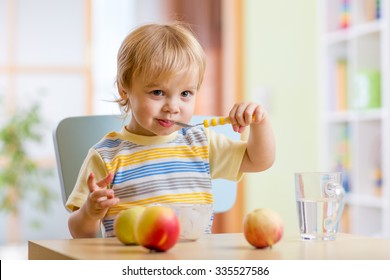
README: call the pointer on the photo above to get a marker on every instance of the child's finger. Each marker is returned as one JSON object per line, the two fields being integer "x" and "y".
{"x": 259, "y": 114}
{"x": 102, "y": 195}
{"x": 241, "y": 129}
{"x": 234, "y": 125}
{"x": 239, "y": 114}
{"x": 103, "y": 204}
{"x": 106, "y": 180}
{"x": 250, "y": 113}
{"x": 233, "y": 121}
{"x": 91, "y": 182}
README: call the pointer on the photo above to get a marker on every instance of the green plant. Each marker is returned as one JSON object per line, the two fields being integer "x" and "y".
{"x": 19, "y": 173}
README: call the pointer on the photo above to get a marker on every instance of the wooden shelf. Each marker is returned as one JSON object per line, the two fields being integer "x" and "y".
{"x": 348, "y": 34}
{"x": 354, "y": 116}
{"x": 363, "y": 200}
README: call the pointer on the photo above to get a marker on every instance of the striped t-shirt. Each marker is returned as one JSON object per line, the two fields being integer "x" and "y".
{"x": 159, "y": 169}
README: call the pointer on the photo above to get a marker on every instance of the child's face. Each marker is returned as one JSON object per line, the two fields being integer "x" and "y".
{"x": 156, "y": 104}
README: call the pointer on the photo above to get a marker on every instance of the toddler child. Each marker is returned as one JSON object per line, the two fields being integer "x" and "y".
{"x": 152, "y": 159}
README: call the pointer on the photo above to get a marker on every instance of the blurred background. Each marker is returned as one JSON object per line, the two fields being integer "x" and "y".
{"x": 296, "y": 58}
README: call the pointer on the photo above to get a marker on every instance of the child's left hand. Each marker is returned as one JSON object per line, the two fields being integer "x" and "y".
{"x": 246, "y": 113}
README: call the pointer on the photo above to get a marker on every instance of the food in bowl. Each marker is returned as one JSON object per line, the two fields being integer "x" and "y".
{"x": 194, "y": 219}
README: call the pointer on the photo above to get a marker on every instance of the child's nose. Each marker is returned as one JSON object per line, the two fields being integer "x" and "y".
{"x": 171, "y": 106}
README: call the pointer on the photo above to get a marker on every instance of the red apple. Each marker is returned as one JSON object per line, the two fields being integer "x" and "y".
{"x": 158, "y": 228}
{"x": 125, "y": 223}
{"x": 263, "y": 227}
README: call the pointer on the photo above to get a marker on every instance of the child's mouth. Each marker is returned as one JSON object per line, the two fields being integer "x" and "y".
{"x": 165, "y": 123}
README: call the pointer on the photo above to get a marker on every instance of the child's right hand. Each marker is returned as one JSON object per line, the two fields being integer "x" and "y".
{"x": 100, "y": 197}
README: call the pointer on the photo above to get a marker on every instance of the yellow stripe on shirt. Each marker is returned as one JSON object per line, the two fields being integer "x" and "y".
{"x": 154, "y": 154}
{"x": 193, "y": 198}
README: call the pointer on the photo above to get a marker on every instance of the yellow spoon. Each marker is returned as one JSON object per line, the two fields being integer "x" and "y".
{"x": 208, "y": 123}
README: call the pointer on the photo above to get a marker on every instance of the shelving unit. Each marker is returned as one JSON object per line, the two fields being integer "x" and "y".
{"x": 355, "y": 108}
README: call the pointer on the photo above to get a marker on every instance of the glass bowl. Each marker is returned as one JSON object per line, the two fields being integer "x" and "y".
{"x": 195, "y": 219}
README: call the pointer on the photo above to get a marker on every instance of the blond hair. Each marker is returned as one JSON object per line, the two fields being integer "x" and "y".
{"x": 155, "y": 51}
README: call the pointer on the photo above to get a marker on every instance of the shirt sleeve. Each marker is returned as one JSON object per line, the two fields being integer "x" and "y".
{"x": 225, "y": 156}
{"x": 92, "y": 163}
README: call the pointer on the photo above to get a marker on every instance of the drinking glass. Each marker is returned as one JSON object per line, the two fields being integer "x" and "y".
{"x": 320, "y": 203}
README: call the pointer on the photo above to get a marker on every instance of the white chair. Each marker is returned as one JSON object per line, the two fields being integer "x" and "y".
{"x": 74, "y": 136}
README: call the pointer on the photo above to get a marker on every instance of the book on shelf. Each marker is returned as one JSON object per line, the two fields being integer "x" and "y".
{"x": 341, "y": 160}
{"x": 378, "y": 9}
{"x": 377, "y": 175}
{"x": 366, "y": 92}
{"x": 378, "y": 181}
{"x": 345, "y": 14}
{"x": 345, "y": 222}
{"x": 371, "y": 10}
{"x": 368, "y": 10}
{"x": 341, "y": 82}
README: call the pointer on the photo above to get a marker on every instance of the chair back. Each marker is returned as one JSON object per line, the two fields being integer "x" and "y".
{"x": 74, "y": 136}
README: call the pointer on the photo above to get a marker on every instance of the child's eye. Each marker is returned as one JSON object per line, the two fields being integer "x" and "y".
{"x": 157, "y": 92}
{"x": 186, "y": 93}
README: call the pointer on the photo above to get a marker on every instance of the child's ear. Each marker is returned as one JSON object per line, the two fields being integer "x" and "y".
{"x": 122, "y": 93}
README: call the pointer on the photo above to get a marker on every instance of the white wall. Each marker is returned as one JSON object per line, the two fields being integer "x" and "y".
{"x": 281, "y": 72}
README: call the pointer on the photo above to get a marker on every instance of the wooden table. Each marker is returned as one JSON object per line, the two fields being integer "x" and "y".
{"x": 215, "y": 247}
